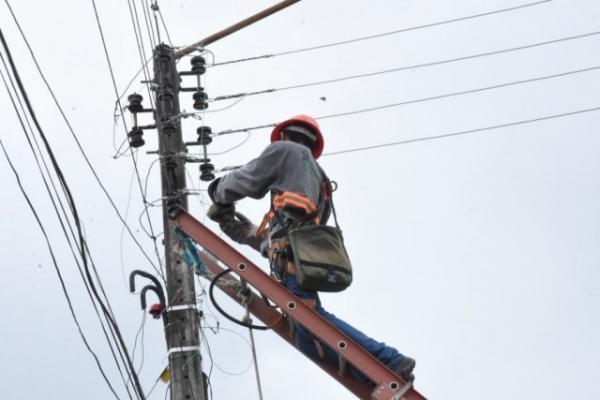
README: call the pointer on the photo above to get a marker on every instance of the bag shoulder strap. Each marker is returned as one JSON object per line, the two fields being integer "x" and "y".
{"x": 326, "y": 199}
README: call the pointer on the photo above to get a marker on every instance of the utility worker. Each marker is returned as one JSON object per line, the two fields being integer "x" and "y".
{"x": 287, "y": 169}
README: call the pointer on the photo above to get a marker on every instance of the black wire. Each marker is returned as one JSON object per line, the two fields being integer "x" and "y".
{"x": 471, "y": 91}
{"x": 135, "y": 22}
{"x": 404, "y": 68}
{"x": 57, "y": 269}
{"x": 163, "y": 23}
{"x": 84, "y": 247}
{"x": 135, "y": 341}
{"x": 71, "y": 130}
{"x": 423, "y": 99}
{"x": 211, "y": 362}
{"x": 159, "y": 271}
{"x": 229, "y": 317}
{"x": 379, "y": 35}
{"x": 73, "y": 207}
{"x": 487, "y": 128}
{"x": 64, "y": 214}
{"x": 148, "y": 22}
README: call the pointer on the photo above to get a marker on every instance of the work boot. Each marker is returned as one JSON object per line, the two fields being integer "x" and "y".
{"x": 404, "y": 369}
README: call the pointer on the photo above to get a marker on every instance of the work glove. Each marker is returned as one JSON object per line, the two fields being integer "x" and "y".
{"x": 240, "y": 229}
{"x": 220, "y": 213}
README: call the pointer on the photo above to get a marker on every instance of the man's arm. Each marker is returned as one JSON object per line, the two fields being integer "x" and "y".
{"x": 252, "y": 180}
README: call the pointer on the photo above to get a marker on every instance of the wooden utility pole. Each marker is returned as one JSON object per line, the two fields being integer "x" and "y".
{"x": 182, "y": 331}
{"x": 182, "y": 326}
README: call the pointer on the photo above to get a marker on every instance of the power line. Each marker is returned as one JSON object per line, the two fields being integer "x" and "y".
{"x": 156, "y": 9}
{"x": 58, "y": 272}
{"x": 447, "y": 95}
{"x": 72, "y": 131}
{"x": 446, "y": 135}
{"x": 72, "y": 205}
{"x": 125, "y": 126}
{"x": 379, "y": 35}
{"x": 147, "y": 20}
{"x": 405, "y": 68}
{"x": 423, "y": 99}
{"x": 54, "y": 205}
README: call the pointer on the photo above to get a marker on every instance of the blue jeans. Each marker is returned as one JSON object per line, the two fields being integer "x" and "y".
{"x": 305, "y": 341}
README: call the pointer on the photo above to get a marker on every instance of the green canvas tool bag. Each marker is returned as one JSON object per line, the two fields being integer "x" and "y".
{"x": 321, "y": 261}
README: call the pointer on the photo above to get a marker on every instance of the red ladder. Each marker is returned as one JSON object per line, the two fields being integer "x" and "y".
{"x": 388, "y": 386}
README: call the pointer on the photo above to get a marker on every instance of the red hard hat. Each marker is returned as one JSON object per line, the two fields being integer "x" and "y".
{"x": 303, "y": 120}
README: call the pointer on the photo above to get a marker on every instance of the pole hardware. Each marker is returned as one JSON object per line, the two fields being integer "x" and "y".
{"x": 170, "y": 161}
{"x": 198, "y": 66}
{"x": 174, "y": 205}
{"x": 207, "y": 170}
{"x": 136, "y": 134}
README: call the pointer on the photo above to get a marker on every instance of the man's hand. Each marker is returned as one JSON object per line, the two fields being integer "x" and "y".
{"x": 221, "y": 212}
{"x": 240, "y": 229}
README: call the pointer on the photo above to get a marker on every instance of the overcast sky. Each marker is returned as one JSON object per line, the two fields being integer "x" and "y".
{"x": 478, "y": 254}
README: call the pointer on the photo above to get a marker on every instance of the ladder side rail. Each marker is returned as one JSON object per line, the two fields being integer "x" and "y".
{"x": 278, "y": 324}
{"x": 387, "y": 383}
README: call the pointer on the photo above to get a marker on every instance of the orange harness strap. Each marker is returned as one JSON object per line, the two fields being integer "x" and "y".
{"x": 287, "y": 200}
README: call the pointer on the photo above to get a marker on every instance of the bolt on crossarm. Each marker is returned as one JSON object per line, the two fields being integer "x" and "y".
{"x": 182, "y": 330}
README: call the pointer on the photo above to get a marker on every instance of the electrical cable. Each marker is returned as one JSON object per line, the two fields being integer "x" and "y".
{"x": 446, "y": 135}
{"x": 225, "y": 314}
{"x": 55, "y": 206}
{"x": 57, "y": 269}
{"x": 403, "y": 68}
{"x": 136, "y": 23}
{"x": 217, "y": 366}
{"x": 148, "y": 21}
{"x": 135, "y": 341}
{"x": 255, "y": 361}
{"x": 152, "y": 388}
{"x": 243, "y": 142}
{"x": 60, "y": 219}
{"x": 447, "y": 95}
{"x": 122, "y": 235}
{"x": 212, "y": 363}
{"x": 158, "y": 270}
{"x": 227, "y": 107}
{"x": 71, "y": 202}
{"x": 379, "y": 35}
{"x": 109, "y": 316}
{"x": 424, "y": 99}
{"x": 71, "y": 130}
{"x": 162, "y": 20}
{"x": 246, "y": 298}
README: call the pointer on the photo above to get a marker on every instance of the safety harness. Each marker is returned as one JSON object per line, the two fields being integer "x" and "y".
{"x": 289, "y": 203}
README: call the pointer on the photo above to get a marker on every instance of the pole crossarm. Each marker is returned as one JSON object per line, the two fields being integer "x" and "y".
{"x": 388, "y": 386}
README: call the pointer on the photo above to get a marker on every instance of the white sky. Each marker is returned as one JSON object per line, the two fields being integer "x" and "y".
{"x": 478, "y": 255}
